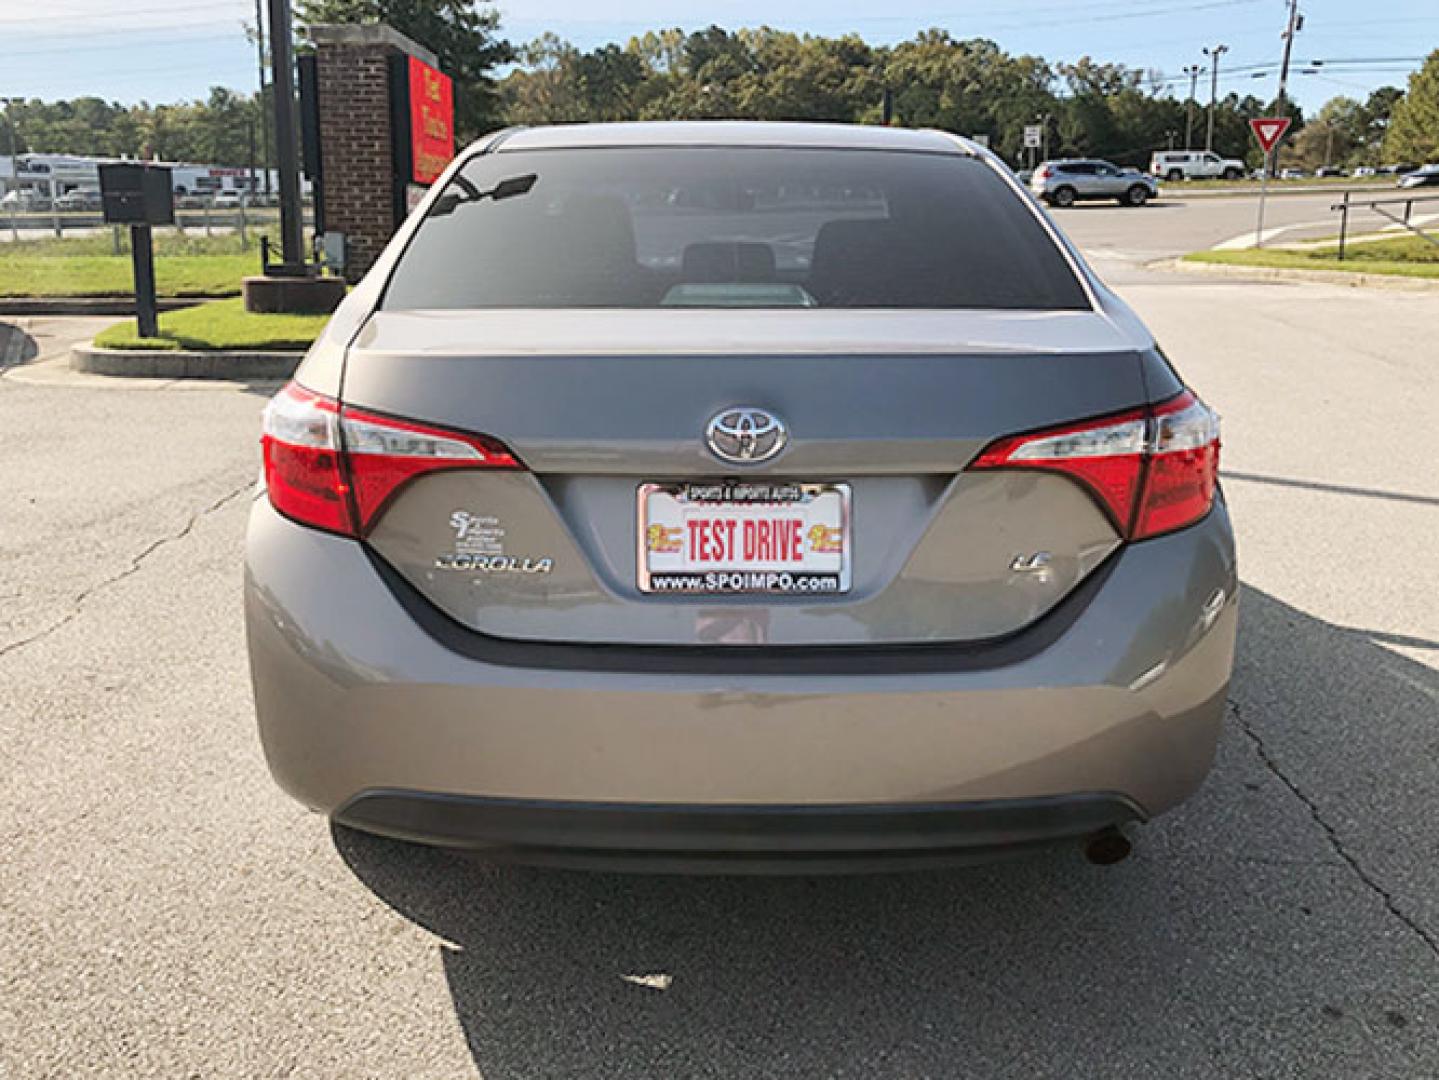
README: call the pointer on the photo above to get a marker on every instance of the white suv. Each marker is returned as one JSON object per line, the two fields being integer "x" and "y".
{"x": 1194, "y": 165}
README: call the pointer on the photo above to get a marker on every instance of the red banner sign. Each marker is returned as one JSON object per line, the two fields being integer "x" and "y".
{"x": 432, "y": 121}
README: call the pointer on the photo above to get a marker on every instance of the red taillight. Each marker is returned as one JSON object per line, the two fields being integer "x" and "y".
{"x": 1183, "y": 467}
{"x": 337, "y": 468}
{"x": 1042, "y": 173}
{"x": 1153, "y": 470}
{"x": 301, "y": 448}
{"x": 384, "y": 454}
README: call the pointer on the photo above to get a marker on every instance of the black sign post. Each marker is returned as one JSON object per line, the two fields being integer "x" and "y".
{"x": 142, "y": 255}
{"x": 139, "y": 196}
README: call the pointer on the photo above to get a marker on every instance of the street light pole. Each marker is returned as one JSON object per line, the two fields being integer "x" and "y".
{"x": 1214, "y": 54}
{"x": 1193, "y": 71}
{"x": 292, "y": 247}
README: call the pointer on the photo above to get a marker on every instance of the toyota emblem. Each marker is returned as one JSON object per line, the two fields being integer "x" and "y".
{"x": 745, "y": 436}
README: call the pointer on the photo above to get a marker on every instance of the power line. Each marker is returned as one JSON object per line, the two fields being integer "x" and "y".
{"x": 1251, "y": 71}
{"x": 178, "y": 9}
{"x": 1371, "y": 60}
{"x": 188, "y": 39}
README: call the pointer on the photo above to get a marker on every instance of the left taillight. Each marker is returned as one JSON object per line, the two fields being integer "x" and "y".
{"x": 1153, "y": 470}
{"x": 337, "y": 468}
{"x": 305, "y": 477}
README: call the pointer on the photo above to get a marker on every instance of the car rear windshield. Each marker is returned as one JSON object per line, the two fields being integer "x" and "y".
{"x": 730, "y": 227}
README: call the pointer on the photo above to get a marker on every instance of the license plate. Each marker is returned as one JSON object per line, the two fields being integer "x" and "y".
{"x": 743, "y": 536}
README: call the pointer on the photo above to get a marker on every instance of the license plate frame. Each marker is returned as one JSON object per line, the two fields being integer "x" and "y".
{"x": 824, "y": 572}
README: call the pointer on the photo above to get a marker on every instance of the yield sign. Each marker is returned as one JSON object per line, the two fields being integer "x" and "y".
{"x": 1269, "y": 130}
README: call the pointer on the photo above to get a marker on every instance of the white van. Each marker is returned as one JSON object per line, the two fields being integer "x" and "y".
{"x": 1194, "y": 165}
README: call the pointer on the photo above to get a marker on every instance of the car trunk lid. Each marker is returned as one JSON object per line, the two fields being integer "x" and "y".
{"x": 890, "y": 406}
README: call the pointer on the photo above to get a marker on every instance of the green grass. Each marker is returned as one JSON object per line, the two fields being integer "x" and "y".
{"x": 222, "y": 324}
{"x": 166, "y": 242}
{"x": 1248, "y": 185}
{"x": 186, "y": 265}
{"x": 1407, "y": 256}
{"x": 209, "y": 275}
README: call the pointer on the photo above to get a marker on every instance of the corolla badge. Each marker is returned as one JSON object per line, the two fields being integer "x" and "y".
{"x": 745, "y": 435}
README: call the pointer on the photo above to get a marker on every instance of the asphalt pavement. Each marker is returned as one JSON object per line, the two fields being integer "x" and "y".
{"x": 1180, "y": 221}
{"x": 166, "y": 912}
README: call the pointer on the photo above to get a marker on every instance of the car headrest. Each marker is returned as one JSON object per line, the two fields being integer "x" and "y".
{"x": 859, "y": 263}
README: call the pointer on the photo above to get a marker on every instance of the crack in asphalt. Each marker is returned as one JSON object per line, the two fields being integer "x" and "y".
{"x": 135, "y": 563}
{"x": 1332, "y": 835}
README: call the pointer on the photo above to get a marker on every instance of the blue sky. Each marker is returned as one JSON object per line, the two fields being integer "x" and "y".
{"x": 169, "y": 50}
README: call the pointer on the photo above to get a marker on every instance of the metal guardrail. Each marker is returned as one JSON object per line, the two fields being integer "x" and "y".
{"x": 1378, "y": 206}
{"x": 36, "y": 224}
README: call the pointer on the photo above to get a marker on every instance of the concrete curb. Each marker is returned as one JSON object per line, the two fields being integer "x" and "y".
{"x": 158, "y": 363}
{"x": 1353, "y": 280}
{"x": 89, "y": 305}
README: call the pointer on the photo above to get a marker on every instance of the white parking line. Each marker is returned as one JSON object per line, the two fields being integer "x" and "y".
{"x": 1247, "y": 240}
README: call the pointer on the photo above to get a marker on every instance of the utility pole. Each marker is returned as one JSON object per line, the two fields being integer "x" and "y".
{"x": 1294, "y": 25}
{"x": 1214, "y": 54}
{"x": 292, "y": 245}
{"x": 1193, "y": 71}
{"x": 264, "y": 116}
{"x": 14, "y": 168}
{"x": 1291, "y": 27}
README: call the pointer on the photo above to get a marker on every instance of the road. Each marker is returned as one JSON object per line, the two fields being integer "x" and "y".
{"x": 1185, "y": 223}
{"x": 167, "y": 912}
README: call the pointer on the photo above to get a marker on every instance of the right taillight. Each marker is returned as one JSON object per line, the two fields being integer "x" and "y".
{"x": 336, "y": 468}
{"x": 1152, "y": 470}
{"x": 1183, "y": 467}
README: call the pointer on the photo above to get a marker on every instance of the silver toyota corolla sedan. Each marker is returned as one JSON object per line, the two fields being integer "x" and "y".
{"x": 763, "y": 496}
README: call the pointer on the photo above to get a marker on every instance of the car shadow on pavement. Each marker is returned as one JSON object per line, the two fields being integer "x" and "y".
{"x": 1239, "y": 940}
{"x": 16, "y": 346}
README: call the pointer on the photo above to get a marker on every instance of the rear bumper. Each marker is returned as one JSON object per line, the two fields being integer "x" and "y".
{"x": 751, "y": 838}
{"x": 1119, "y": 691}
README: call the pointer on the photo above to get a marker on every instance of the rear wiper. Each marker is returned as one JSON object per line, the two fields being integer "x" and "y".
{"x": 505, "y": 189}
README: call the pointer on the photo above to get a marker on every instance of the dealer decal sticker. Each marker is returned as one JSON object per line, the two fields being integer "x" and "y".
{"x": 480, "y": 545}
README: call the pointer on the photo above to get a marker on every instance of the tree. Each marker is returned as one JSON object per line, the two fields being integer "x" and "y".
{"x": 1376, "y": 112}
{"x": 796, "y": 77}
{"x": 545, "y": 90}
{"x": 1334, "y": 135}
{"x": 459, "y": 32}
{"x": 971, "y": 87}
{"x": 1413, "y": 133}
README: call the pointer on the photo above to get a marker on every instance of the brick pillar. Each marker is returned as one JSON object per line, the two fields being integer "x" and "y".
{"x": 356, "y": 138}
